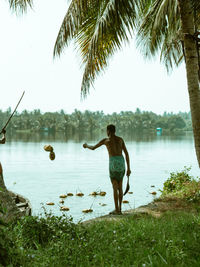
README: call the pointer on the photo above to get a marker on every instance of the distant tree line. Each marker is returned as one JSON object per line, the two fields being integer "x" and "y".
{"x": 92, "y": 122}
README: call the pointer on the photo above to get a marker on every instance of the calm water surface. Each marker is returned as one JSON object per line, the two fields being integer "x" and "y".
{"x": 29, "y": 171}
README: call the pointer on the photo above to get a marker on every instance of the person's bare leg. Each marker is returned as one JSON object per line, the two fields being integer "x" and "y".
{"x": 115, "y": 194}
{"x": 120, "y": 195}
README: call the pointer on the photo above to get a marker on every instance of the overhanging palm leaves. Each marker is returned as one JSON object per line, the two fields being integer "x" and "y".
{"x": 99, "y": 28}
{"x": 20, "y": 6}
{"x": 159, "y": 30}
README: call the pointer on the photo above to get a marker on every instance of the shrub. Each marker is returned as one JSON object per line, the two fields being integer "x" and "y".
{"x": 177, "y": 181}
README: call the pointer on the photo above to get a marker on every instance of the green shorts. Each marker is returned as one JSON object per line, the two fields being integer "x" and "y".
{"x": 116, "y": 167}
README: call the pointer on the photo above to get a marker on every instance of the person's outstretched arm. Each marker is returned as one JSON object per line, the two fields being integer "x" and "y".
{"x": 128, "y": 172}
{"x": 102, "y": 142}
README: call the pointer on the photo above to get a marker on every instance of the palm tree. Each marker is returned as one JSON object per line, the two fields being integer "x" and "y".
{"x": 172, "y": 28}
{"x": 100, "y": 27}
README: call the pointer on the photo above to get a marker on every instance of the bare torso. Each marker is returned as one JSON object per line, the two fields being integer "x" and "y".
{"x": 114, "y": 145}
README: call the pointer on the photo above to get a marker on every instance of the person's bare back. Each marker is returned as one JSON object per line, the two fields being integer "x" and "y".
{"x": 114, "y": 145}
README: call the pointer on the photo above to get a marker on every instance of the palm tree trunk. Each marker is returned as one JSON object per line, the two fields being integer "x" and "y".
{"x": 191, "y": 61}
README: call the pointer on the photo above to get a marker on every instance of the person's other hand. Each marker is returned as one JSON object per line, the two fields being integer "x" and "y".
{"x": 3, "y": 131}
{"x": 85, "y": 145}
{"x": 3, "y": 140}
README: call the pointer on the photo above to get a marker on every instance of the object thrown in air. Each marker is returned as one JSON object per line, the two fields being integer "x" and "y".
{"x": 153, "y": 193}
{"x": 49, "y": 149}
{"x": 70, "y": 194}
{"x": 125, "y": 201}
{"x": 52, "y": 155}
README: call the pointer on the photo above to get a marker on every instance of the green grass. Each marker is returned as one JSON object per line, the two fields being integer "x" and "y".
{"x": 171, "y": 240}
{"x": 134, "y": 240}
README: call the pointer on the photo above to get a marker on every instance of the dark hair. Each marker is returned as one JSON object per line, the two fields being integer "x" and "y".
{"x": 111, "y": 128}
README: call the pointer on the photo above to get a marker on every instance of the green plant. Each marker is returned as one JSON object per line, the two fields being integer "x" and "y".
{"x": 177, "y": 181}
{"x": 35, "y": 231}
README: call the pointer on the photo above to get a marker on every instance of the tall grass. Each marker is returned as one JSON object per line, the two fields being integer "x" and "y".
{"x": 171, "y": 240}
{"x": 132, "y": 240}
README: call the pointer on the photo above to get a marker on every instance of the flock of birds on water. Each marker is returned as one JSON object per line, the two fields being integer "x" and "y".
{"x": 52, "y": 156}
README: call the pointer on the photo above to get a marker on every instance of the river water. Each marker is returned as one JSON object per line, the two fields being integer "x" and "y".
{"x": 29, "y": 171}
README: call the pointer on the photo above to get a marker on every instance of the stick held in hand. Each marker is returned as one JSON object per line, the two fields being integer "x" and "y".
{"x": 3, "y": 129}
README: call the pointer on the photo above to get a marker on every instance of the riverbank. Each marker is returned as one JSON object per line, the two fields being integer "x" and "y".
{"x": 143, "y": 237}
{"x": 165, "y": 232}
{"x": 156, "y": 209}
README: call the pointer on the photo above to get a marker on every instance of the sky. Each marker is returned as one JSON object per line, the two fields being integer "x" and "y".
{"x": 27, "y": 63}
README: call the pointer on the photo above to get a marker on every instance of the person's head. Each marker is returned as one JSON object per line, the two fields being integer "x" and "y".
{"x": 110, "y": 129}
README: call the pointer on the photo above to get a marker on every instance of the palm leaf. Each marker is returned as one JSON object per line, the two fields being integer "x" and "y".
{"x": 159, "y": 31}
{"x": 20, "y": 6}
{"x": 99, "y": 30}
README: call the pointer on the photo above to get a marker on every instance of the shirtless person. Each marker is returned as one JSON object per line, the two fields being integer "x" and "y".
{"x": 115, "y": 145}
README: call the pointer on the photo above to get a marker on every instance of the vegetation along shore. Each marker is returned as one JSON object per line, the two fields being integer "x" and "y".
{"x": 164, "y": 233}
{"x": 126, "y": 122}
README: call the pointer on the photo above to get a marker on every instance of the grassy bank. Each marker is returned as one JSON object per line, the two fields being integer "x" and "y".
{"x": 135, "y": 239}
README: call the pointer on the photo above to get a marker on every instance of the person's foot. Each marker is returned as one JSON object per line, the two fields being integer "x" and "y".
{"x": 115, "y": 212}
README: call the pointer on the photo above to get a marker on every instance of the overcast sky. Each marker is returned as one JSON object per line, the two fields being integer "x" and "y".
{"x": 26, "y": 63}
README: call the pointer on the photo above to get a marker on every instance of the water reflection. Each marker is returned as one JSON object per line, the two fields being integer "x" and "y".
{"x": 78, "y": 137}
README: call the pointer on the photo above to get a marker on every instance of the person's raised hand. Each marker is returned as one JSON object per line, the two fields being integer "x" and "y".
{"x": 85, "y": 145}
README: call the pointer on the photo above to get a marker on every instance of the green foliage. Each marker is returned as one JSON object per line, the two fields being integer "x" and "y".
{"x": 177, "y": 180}
{"x": 40, "y": 231}
{"x": 182, "y": 185}
{"x": 94, "y": 122}
{"x": 138, "y": 240}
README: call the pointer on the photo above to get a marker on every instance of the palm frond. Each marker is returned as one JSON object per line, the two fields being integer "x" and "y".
{"x": 20, "y": 6}
{"x": 70, "y": 25}
{"x": 99, "y": 28}
{"x": 172, "y": 51}
{"x": 159, "y": 31}
{"x": 102, "y": 35}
